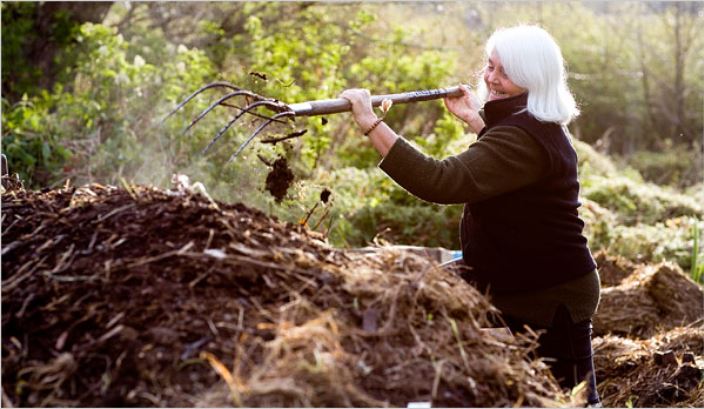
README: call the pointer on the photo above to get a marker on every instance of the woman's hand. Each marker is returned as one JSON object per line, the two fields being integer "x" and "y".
{"x": 466, "y": 107}
{"x": 383, "y": 137}
{"x": 361, "y": 107}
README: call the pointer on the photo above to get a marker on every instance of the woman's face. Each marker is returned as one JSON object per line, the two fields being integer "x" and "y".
{"x": 497, "y": 82}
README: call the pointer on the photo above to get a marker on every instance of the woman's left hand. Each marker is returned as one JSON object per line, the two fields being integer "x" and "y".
{"x": 361, "y": 106}
{"x": 466, "y": 107}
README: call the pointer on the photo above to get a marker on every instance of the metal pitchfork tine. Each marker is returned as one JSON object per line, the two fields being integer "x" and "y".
{"x": 245, "y": 110}
{"x": 223, "y": 84}
{"x": 275, "y": 105}
{"x": 257, "y": 131}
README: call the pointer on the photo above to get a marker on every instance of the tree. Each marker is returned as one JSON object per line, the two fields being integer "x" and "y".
{"x": 33, "y": 37}
{"x": 666, "y": 74}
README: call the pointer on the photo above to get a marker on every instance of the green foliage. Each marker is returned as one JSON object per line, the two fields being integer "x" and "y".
{"x": 278, "y": 52}
{"x": 637, "y": 220}
{"x": 592, "y": 163}
{"x": 366, "y": 205}
{"x": 17, "y": 30}
{"x": 635, "y": 202}
{"x": 671, "y": 240}
{"x": 697, "y": 260}
{"x": 105, "y": 116}
{"x": 433, "y": 226}
{"x": 21, "y": 72}
{"x": 676, "y": 166}
{"x": 31, "y": 140}
{"x": 598, "y": 224}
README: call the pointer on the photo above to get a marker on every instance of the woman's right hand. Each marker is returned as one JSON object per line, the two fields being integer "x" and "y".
{"x": 362, "y": 110}
{"x": 466, "y": 107}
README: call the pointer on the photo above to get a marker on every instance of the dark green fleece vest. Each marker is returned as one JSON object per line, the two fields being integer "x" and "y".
{"x": 530, "y": 238}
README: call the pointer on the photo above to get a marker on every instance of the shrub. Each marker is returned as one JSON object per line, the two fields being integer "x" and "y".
{"x": 635, "y": 203}
{"x": 598, "y": 224}
{"x": 675, "y": 166}
{"x": 103, "y": 125}
{"x": 591, "y": 162}
{"x": 32, "y": 140}
{"x": 670, "y": 240}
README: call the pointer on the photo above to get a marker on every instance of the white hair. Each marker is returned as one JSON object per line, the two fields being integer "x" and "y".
{"x": 532, "y": 60}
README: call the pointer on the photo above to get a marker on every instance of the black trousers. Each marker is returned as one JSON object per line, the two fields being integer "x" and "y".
{"x": 566, "y": 347}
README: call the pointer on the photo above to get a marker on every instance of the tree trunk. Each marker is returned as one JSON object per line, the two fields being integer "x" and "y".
{"x": 645, "y": 81}
{"x": 679, "y": 91}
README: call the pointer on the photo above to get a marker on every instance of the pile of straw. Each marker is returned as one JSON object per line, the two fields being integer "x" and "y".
{"x": 653, "y": 299}
{"x": 662, "y": 371}
{"x": 651, "y": 349}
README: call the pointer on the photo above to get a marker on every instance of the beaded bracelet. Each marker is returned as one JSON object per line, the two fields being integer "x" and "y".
{"x": 376, "y": 123}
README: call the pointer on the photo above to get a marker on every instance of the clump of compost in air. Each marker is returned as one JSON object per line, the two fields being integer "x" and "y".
{"x": 325, "y": 195}
{"x": 279, "y": 179}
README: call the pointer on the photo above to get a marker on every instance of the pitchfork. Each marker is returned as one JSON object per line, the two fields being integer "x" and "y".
{"x": 291, "y": 111}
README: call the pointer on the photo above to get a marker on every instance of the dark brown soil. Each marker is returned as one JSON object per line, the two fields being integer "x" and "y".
{"x": 650, "y": 300}
{"x": 649, "y": 349}
{"x": 663, "y": 371}
{"x": 108, "y": 299}
{"x": 612, "y": 269}
{"x": 279, "y": 179}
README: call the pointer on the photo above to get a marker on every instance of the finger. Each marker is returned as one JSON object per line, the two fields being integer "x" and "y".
{"x": 349, "y": 91}
{"x": 466, "y": 89}
{"x": 350, "y": 95}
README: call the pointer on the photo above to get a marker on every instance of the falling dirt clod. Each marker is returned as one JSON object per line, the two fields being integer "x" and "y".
{"x": 325, "y": 195}
{"x": 279, "y": 179}
{"x": 259, "y": 75}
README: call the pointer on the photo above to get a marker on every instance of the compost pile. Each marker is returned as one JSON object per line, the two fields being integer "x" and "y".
{"x": 650, "y": 346}
{"x": 135, "y": 296}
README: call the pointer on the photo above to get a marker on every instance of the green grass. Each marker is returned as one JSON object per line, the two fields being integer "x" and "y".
{"x": 697, "y": 270}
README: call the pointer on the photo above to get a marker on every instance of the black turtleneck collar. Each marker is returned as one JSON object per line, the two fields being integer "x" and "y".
{"x": 497, "y": 110}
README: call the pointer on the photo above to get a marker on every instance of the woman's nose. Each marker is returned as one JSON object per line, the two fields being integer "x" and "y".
{"x": 492, "y": 78}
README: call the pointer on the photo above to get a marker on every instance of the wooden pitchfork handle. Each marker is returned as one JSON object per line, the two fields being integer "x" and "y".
{"x": 334, "y": 106}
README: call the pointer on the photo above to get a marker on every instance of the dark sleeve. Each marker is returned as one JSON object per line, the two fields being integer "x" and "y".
{"x": 506, "y": 158}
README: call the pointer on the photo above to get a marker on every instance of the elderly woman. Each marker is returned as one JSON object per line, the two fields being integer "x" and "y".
{"x": 521, "y": 234}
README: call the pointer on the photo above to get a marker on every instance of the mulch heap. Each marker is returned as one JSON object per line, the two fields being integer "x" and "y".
{"x": 135, "y": 296}
{"x": 649, "y": 351}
